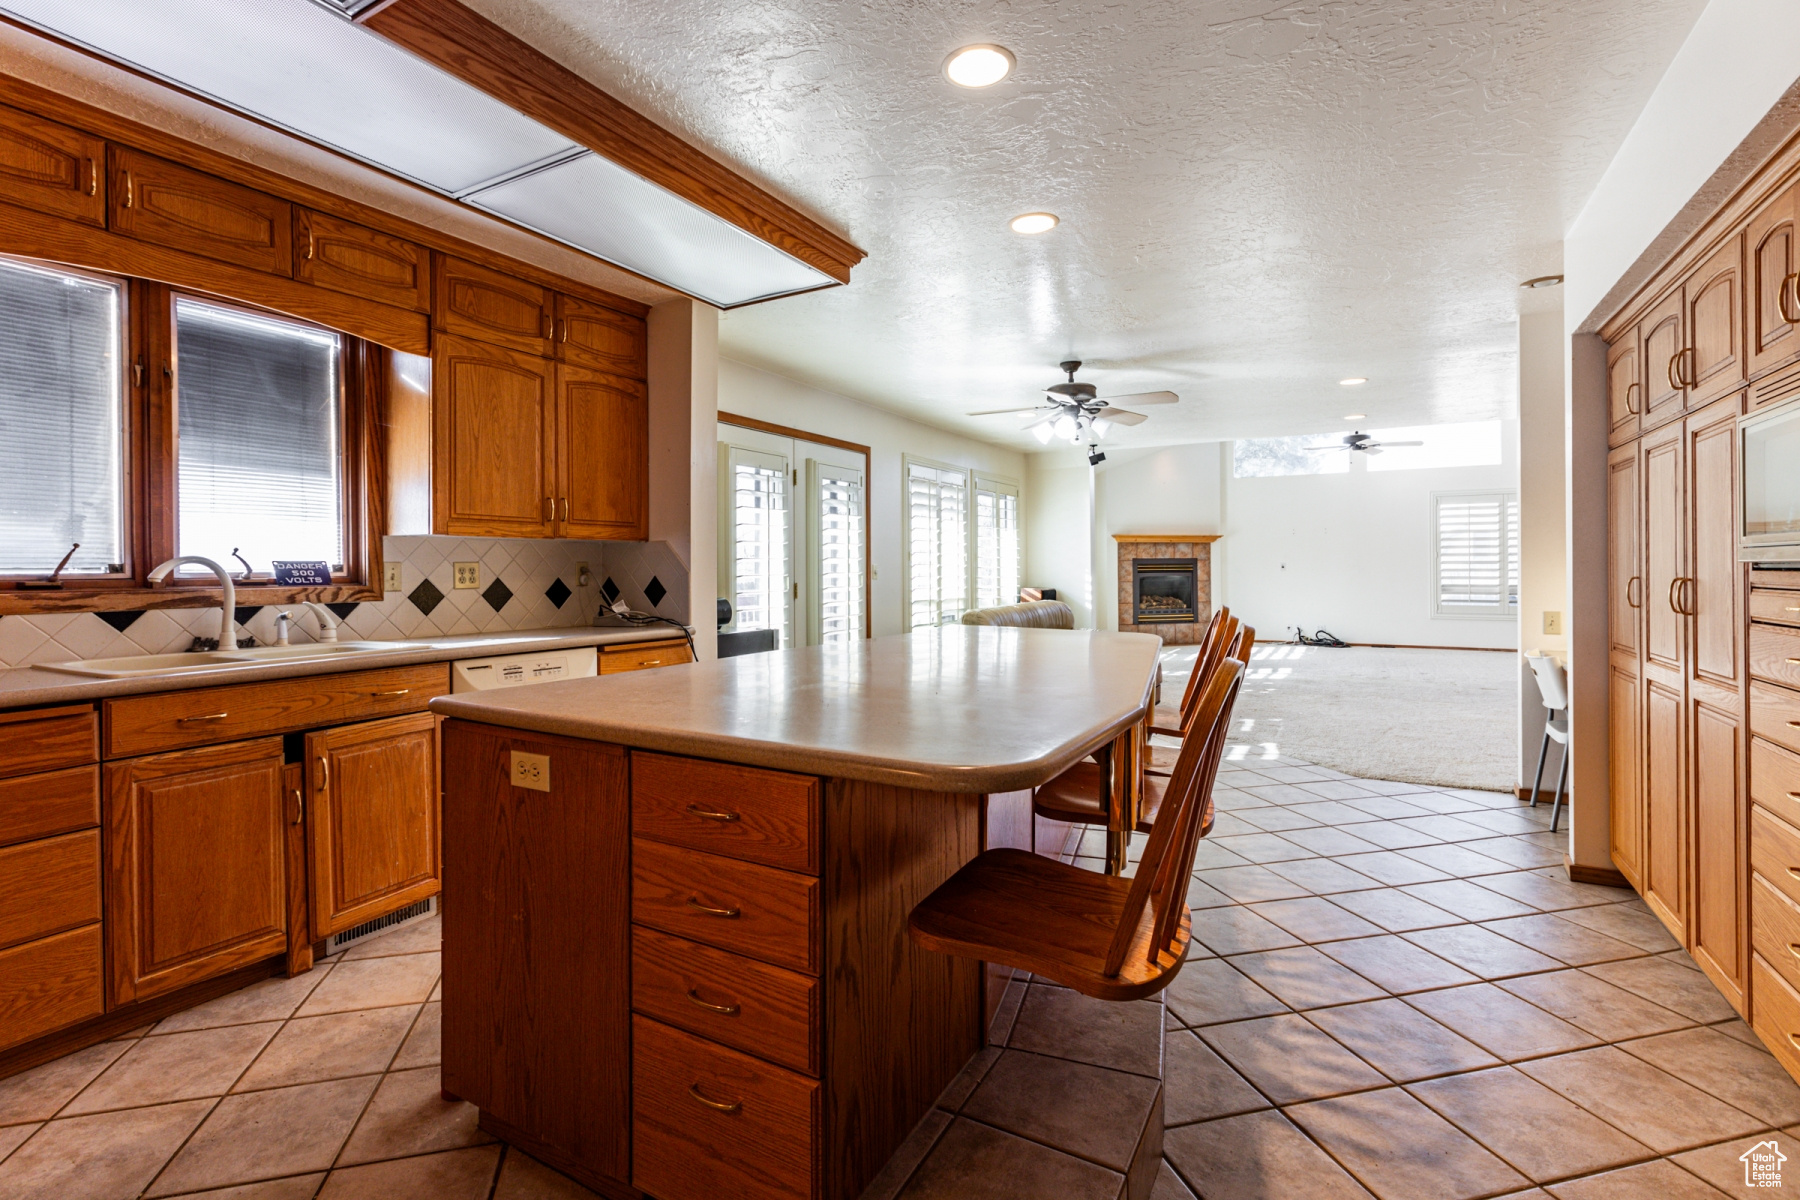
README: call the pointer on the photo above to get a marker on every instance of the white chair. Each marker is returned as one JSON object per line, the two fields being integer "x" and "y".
{"x": 1553, "y": 686}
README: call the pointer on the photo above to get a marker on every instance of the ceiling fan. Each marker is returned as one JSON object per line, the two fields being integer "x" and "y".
{"x": 1361, "y": 441}
{"x": 1075, "y": 411}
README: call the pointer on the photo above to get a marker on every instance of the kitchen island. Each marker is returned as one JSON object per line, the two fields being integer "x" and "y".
{"x": 675, "y": 948}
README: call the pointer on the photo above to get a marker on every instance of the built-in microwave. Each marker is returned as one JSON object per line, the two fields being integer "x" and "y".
{"x": 1769, "y": 468}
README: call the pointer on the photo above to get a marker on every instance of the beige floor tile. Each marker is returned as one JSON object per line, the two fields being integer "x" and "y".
{"x": 1747, "y": 1077}
{"x": 1666, "y": 981}
{"x": 1459, "y": 861}
{"x": 523, "y": 1177}
{"x": 105, "y": 1156}
{"x": 423, "y": 1045}
{"x": 1390, "y": 837}
{"x": 1401, "y": 1150}
{"x": 294, "y": 1187}
{"x": 1394, "y": 910}
{"x": 1563, "y": 940}
{"x": 335, "y": 1046}
{"x": 1519, "y": 851}
{"x": 1610, "y": 1013}
{"x": 1452, "y": 829}
{"x": 1400, "y": 1041}
{"x": 1201, "y": 894}
{"x": 270, "y": 1000}
{"x": 1652, "y": 1106}
{"x": 1302, "y": 978}
{"x": 176, "y": 1066}
{"x": 1735, "y": 1028}
{"x": 1262, "y": 847}
{"x": 1248, "y": 885}
{"x": 1537, "y": 1131}
{"x": 1211, "y": 991}
{"x": 1322, "y": 877}
{"x": 450, "y": 1175}
{"x": 1331, "y": 812}
{"x": 1289, "y": 1060}
{"x": 40, "y": 1093}
{"x": 11, "y": 1136}
{"x": 1551, "y": 895}
{"x": 1237, "y": 930}
{"x": 268, "y": 1135}
{"x": 1208, "y": 856}
{"x": 1467, "y": 900}
{"x": 1100, "y": 1114}
{"x": 1484, "y": 953}
{"x": 1313, "y": 920}
{"x": 1639, "y": 929}
{"x": 1388, "y": 808}
{"x": 1661, "y": 1180}
{"x": 1276, "y": 819}
{"x": 1257, "y": 1156}
{"x": 420, "y": 937}
{"x": 1499, "y": 1022}
{"x": 1331, "y": 839}
{"x": 409, "y": 1115}
{"x": 374, "y": 983}
{"x": 884, "y": 1186}
{"x": 1169, "y": 1185}
{"x": 1066, "y": 1024}
{"x": 437, "y": 992}
{"x": 1396, "y": 964}
{"x": 1198, "y": 1085}
{"x": 1009, "y": 1168}
{"x": 1722, "y": 1166}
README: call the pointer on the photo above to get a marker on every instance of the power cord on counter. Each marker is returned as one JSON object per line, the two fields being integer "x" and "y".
{"x": 642, "y": 620}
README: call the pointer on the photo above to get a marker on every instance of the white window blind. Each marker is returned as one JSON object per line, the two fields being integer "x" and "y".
{"x": 1477, "y": 538}
{"x": 996, "y": 543}
{"x": 838, "y": 605}
{"x": 259, "y": 416}
{"x": 937, "y": 500}
{"x": 760, "y": 521}
{"x": 60, "y": 421}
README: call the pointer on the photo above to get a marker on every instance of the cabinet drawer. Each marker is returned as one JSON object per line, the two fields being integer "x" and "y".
{"x": 1775, "y": 851}
{"x": 767, "y": 817}
{"x": 764, "y": 913}
{"x": 756, "y": 1008}
{"x": 1775, "y": 655}
{"x": 494, "y": 307}
{"x": 1775, "y": 780}
{"x": 36, "y": 806}
{"x": 1775, "y": 1014}
{"x": 1779, "y": 608}
{"x": 154, "y": 200}
{"x": 44, "y": 739}
{"x": 51, "y": 168}
{"x": 641, "y": 656}
{"x": 1775, "y": 715}
{"x": 176, "y": 720}
{"x": 708, "y": 1122}
{"x": 49, "y": 984}
{"x": 1775, "y": 929}
{"x": 346, "y": 257}
{"x": 48, "y": 886}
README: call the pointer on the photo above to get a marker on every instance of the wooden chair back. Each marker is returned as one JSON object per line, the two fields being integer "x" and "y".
{"x": 1213, "y": 651}
{"x": 1195, "y": 678}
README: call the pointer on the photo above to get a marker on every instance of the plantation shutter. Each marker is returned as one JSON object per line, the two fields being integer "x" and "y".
{"x": 996, "y": 544}
{"x": 1477, "y": 554}
{"x": 839, "y": 553}
{"x": 937, "y": 544}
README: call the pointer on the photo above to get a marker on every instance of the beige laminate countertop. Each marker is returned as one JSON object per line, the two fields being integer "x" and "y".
{"x": 962, "y": 708}
{"x": 22, "y": 687}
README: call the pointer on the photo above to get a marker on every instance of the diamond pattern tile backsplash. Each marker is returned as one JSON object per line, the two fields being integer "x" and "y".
{"x": 525, "y": 584}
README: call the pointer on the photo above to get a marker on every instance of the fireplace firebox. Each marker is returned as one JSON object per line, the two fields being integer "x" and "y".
{"x": 1164, "y": 590}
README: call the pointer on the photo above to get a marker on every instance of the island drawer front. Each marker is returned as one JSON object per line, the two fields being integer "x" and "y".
{"x": 177, "y": 720}
{"x": 1776, "y": 1013}
{"x": 1775, "y": 851}
{"x": 1775, "y": 655}
{"x": 46, "y": 739}
{"x": 49, "y": 984}
{"x": 767, "y": 817}
{"x": 767, "y": 1147}
{"x": 771, "y": 1013}
{"x": 642, "y": 656}
{"x": 1775, "y": 714}
{"x": 48, "y": 886}
{"x": 767, "y": 914}
{"x": 1775, "y": 929}
{"x": 1779, "y": 608}
{"x": 35, "y": 806}
{"x": 1775, "y": 780}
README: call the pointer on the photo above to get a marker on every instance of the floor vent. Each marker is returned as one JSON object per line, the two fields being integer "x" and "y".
{"x": 398, "y": 917}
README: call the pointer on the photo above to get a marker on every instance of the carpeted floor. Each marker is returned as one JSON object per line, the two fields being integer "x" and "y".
{"x": 1441, "y": 717}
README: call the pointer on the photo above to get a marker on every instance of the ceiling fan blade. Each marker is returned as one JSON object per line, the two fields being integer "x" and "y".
{"x": 1390, "y": 445}
{"x": 1000, "y": 412}
{"x": 1370, "y": 449}
{"x": 1119, "y": 416}
{"x": 1145, "y": 398}
{"x": 1338, "y": 447}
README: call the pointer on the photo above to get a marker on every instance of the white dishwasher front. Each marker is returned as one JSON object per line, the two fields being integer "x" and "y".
{"x": 518, "y": 670}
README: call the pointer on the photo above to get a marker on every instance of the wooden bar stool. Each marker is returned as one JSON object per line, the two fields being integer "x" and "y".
{"x": 1106, "y": 937}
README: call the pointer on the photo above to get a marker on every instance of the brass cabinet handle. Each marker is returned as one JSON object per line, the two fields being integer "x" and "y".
{"x": 309, "y": 242}
{"x": 398, "y": 692}
{"x": 549, "y": 508}
{"x": 727, "y": 913}
{"x": 565, "y": 503}
{"x": 715, "y": 1105}
{"x": 1794, "y": 724}
{"x": 1794, "y": 660}
{"x": 544, "y": 326}
{"x": 657, "y": 662}
{"x": 93, "y": 187}
{"x": 1674, "y": 605}
{"x": 1631, "y": 408}
{"x": 728, "y": 1010}
{"x": 1674, "y": 379}
{"x": 202, "y": 718}
{"x": 324, "y": 772}
{"x": 1781, "y": 298}
{"x": 707, "y": 814}
{"x": 1634, "y": 581}
{"x": 130, "y": 191}
{"x": 299, "y": 808}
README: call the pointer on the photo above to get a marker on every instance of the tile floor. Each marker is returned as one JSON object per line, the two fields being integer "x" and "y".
{"x": 1394, "y": 991}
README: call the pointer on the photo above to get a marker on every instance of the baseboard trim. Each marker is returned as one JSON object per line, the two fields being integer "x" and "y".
{"x": 1545, "y": 796}
{"x": 1602, "y": 876}
{"x": 1401, "y": 646}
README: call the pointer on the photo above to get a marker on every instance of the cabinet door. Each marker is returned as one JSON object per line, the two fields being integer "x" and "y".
{"x": 493, "y": 451}
{"x": 51, "y": 168}
{"x": 591, "y": 335}
{"x": 1665, "y": 824}
{"x": 1625, "y": 726}
{"x": 1716, "y": 734}
{"x": 1714, "y": 362}
{"x": 1661, "y": 335}
{"x": 1625, "y": 588}
{"x": 1625, "y": 386}
{"x": 603, "y": 455}
{"x": 1664, "y": 551}
{"x": 154, "y": 200}
{"x": 1716, "y": 587}
{"x": 351, "y": 258}
{"x": 372, "y": 820}
{"x": 475, "y": 302}
{"x": 196, "y": 884}
{"x": 1770, "y": 299}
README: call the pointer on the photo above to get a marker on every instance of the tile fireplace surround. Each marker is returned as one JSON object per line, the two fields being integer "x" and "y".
{"x": 1197, "y": 546}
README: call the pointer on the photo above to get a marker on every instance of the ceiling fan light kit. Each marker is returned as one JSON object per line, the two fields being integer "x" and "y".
{"x": 1074, "y": 411}
{"x": 1361, "y": 443}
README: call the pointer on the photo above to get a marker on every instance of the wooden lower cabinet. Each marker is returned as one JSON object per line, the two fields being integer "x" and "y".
{"x": 642, "y": 656}
{"x": 1665, "y": 824}
{"x": 51, "y": 984}
{"x": 1719, "y": 836}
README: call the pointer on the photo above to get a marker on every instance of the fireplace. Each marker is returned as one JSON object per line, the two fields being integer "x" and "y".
{"x": 1163, "y": 591}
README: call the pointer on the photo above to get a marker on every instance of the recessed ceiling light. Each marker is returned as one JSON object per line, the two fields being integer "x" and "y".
{"x": 978, "y": 66}
{"x": 1353, "y": 381}
{"x": 1033, "y": 223}
{"x": 1542, "y": 281}
{"x": 1355, "y": 416}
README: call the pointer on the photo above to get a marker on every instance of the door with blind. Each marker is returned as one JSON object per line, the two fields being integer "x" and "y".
{"x": 994, "y": 550}
{"x": 756, "y": 541}
{"x": 1477, "y": 554}
{"x": 937, "y": 543}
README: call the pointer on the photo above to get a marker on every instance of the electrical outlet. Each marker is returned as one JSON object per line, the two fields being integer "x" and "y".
{"x": 1553, "y": 623}
{"x": 468, "y": 575}
{"x": 581, "y": 575}
{"x": 531, "y": 771}
{"x": 390, "y": 581}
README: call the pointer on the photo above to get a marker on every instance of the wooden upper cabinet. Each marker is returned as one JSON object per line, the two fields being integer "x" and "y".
{"x": 1771, "y": 303}
{"x": 351, "y": 258}
{"x": 1713, "y": 600}
{"x": 1664, "y": 552}
{"x": 475, "y": 302}
{"x": 603, "y": 484}
{"x": 1626, "y": 584}
{"x": 1713, "y": 364}
{"x": 51, "y": 168}
{"x": 158, "y": 201}
{"x": 1663, "y": 339}
{"x": 591, "y": 335}
{"x": 1625, "y": 386}
{"x": 493, "y": 443}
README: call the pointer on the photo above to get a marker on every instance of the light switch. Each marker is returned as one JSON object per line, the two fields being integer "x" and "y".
{"x": 1553, "y": 623}
{"x": 531, "y": 771}
{"x": 390, "y": 577}
{"x": 468, "y": 575}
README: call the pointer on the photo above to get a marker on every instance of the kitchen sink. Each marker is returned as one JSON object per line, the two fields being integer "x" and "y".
{"x": 135, "y": 665}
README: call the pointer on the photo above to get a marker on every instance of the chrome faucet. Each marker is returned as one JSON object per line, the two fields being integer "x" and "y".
{"x": 281, "y": 628}
{"x": 228, "y": 606}
{"x": 328, "y": 622}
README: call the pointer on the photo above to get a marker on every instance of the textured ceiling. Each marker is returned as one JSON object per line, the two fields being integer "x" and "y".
{"x": 1258, "y": 198}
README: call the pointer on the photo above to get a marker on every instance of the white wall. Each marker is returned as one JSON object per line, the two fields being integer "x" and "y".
{"x": 1543, "y": 542}
{"x": 749, "y": 392}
